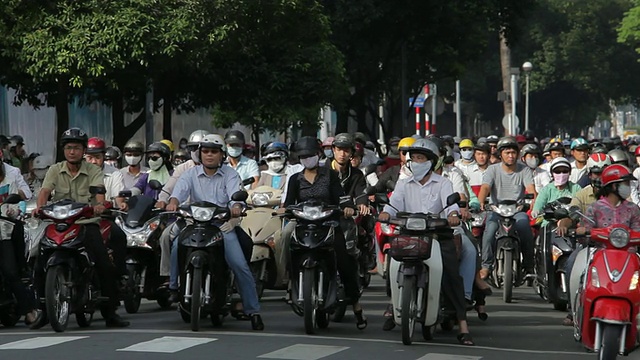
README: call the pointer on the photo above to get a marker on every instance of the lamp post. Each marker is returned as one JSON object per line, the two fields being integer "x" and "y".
{"x": 527, "y": 67}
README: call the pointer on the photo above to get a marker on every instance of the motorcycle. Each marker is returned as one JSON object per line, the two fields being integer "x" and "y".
{"x": 416, "y": 258}
{"x": 382, "y": 233}
{"x": 143, "y": 224}
{"x": 551, "y": 255}
{"x": 604, "y": 291}
{"x": 266, "y": 232}
{"x": 508, "y": 270}
{"x": 71, "y": 283}
{"x": 206, "y": 282}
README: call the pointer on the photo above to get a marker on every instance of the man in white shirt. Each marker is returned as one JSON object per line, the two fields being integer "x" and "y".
{"x": 579, "y": 170}
{"x": 473, "y": 174}
{"x": 466, "y": 155}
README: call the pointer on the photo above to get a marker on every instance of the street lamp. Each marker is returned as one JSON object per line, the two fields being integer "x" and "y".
{"x": 527, "y": 67}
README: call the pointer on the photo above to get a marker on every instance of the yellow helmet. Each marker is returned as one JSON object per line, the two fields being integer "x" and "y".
{"x": 466, "y": 143}
{"x": 406, "y": 143}
{"x": 169, "y": 144}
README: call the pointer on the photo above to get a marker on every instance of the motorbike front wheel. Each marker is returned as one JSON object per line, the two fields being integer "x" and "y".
{"x": 57, "y": 297}
{"x": 507, "y": 282}
{"x": 196, "y": 299}
{"x": 409, "y": 307}
{"x": 610, "y": 341}
{"x": 134, "y": 297}
{"x": 310, "y": 300}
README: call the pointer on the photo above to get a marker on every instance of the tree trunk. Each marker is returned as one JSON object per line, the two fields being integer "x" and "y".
{"x": 255, "y": 137}
{"x": 122, "y": 133}
{"x": 505, "y": 66}
{"x": 342, "y": 120}
{"x": 62, "y": 113}
{"x": 166, "y": 116}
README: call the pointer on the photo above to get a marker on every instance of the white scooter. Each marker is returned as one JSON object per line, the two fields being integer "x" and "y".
{"x": 266, "y": 232}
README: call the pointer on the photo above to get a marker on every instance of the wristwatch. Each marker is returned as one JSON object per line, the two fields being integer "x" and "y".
{"x": 454, "y": 215}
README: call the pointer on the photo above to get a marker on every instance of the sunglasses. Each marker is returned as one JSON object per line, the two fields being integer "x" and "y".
{"x": 154, "y": 158}
{"x": 561, "y": 171}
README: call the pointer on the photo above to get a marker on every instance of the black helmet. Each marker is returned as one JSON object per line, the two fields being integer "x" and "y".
{"x": 442, "y": 146}
{"x": 234, "y": 137}
{"x": 484, "y": 147}
{"x": 360, "y": 137}
{"x": 344, "y": 140}
{"x": 307, "y": 146}
{"x": 556, "y": 145}
{"x": 161, "y": 148}
{"x": 182, "y": 153}
{"x": 264, "y": 147}
{"x": 17, "y": 139}
{"x": 133, "y": 146}
{"x": 530, "y": 149}
{"x": 507, "y": 142}
{"x": 74, "y": 135}
{"x": 112, "y": 153}
{"x": 529, "y": 135}
{"x": 4, "y": 140}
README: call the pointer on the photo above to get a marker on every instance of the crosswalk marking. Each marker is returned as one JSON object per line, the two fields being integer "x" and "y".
{"x": 167, "y": 344}
{"x": 449, "y": 357}
{"x": 39, "y": 342}
{"x": 304, "y": 352}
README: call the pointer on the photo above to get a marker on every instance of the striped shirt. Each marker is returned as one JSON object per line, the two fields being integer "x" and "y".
{"x": 507, "y": 186}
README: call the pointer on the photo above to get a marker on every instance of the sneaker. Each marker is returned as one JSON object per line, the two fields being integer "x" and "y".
{"x": 256, "y": 322}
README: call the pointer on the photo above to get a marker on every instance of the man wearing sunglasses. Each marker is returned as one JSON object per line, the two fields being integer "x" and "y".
{"x": 560, "y": 187}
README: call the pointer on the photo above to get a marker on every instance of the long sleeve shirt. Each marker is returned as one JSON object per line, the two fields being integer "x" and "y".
{"x": 198, "y": 186}
{"x": 606, "y": 215}
{"x": 430, "y": 198}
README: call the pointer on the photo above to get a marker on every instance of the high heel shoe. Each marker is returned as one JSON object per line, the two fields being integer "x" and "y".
{"x": 361, "y": 320}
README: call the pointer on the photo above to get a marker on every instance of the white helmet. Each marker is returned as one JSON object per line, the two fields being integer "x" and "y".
{"x": 426, "y": 147}
{"x": 196, "y": 137}
{"x": 42, "y": 162}
{"x": 598, "y": 161}
{"x": 213, "y": 141}
{"x": 560, "y": 162}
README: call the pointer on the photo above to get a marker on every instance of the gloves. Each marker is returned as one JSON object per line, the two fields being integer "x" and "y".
{"x": 230, "y": 225}
{"x": 534, "y": 214}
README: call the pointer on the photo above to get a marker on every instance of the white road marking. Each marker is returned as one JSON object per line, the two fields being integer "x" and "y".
{"x": 304, "y": 352}
{"x": 449, "y": 357}
{"x": 167, "y": 344}
{"x": 39, "y": 342}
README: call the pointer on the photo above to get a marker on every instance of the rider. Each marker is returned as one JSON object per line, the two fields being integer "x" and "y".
{"x": 507, "y": 181}
{"x": 466, "y": 155}
{"x": 71, "y": 179}
{"x": 112, "y": 156}
{"x": 561, "y": 186}
{"x": 17, "y": 150}
{"x": 246, "y": 168}
{"x": 180, "y": 156}
{"x": 351, "y": 179}
{"x": 580, "y": 154}
{"x": 426, "y": 192}
{"x": 39, "y": 169}
{"x": 133, "y": 158}
{"x": 530, "y": 155}
{"x": 327, "y": 153}
{"x": 215, "y": 181}
{"x": 399, "y": 171}
{"x": 276, "y": 155}
{"x": 159, "y": 159}
{"x": 474, "y": 174}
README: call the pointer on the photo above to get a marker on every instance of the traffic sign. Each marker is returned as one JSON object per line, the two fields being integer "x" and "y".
{"x": 428, "y": 106}
{"x": 419, "y": 102}
{"x": 505, "y": 122}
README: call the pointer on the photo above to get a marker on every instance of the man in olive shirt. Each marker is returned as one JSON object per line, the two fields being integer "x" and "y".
{"x": 71, "y": 179}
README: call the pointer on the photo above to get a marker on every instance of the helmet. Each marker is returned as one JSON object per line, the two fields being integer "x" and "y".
{"x": 529, "y": 135}
{"x": 4, "y": 140}
{"x": 507, "y": 142}
{"x": 96, "y": 145}
{"x": 405, "y": 143}
{"x": 263, "y": 147}
{"x": 360, "y": 137}
{"x": 484, "y": 147}
{"x": 74, "y": 135}
{"x": 234, "y": 137}
{"x": 530, "y": 149}
{"x": 637, "y": 152}
{"x": 426, "y": 147}
{"x": 492, "y": 139}
{"x": 616, "y": 173}
{"x": 249, "y": 148}
{"x": 442, "y": 146}
{"x": 42, "y": 162}
{"x": 196, "y": 137}
{"x": 328, "y": 141}
{"x": 161, "y": 148}
{"x": 597, "y": 162}
{"x": 556, "y": 144}
{"x": 112, "y": 153}
{"x": 344, "y": 140}
{"x": 307, "y": 146}
{"x": 133, "y": 146}
{"x": 213, "y": 141}
{"x": 618, "y": 156}
{"x": 466, "y": 143}
{"x": 521, "y": 139}
{"x": 17, "y": 140}
{"x": 169, "y": 144}
{"x": 448, "y": 140}
{"x": 559, "y": 162}
{"x": 359, "y": 150}
{"x": 276, "y": 147}
{"x": 579, "y": 144}
{"x": 182, "y": 153}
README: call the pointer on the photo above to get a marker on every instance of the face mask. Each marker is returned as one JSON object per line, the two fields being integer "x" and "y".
{"x": 234, "y": 151}
{"x": 420, "y": 170}
{"x": 560, "y": 179}
{"x": 177, "y": 162}
{"x": 133, "y": 160}
{"x": 532, "y": 162}
{"x": 111, "y": 162}
{"x": 40, "y": 173}
{"x": 276, "y": 165}
{"x": 328, "y": 153}
{"x": 156, "y": 164}
{"x": 195, "y": 156}
{"x": 624, "y": 191}
{"x": 466, "y": 154}
{"x": 404, "y": 172}
{"x": 310, "y": 162}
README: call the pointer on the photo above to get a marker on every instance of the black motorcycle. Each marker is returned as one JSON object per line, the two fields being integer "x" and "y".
{"x": 552, "y": 253}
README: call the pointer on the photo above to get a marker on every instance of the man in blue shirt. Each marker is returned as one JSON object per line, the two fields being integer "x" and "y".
{"x": 215, "y": 182}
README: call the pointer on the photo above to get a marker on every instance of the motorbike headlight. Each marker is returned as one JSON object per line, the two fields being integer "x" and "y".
{"x": 416, "y": 224}
{"x": 202, "y": 213}
{"x": 619, "y": 237}
{"x": 386, "y": 228}
{"x": 261, "y": 198}
{"x": 32, "y": 223}
{"x": 634, "y": 280}
{"x": 505, "y": 210}
{"x": 137, "y": 240}
{"x": 595, "y": 279}
{"x": 312, "y": 213}
{"x": 62, "y": 212}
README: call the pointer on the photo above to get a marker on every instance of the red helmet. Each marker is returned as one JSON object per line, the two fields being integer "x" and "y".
{"x": 521, "y": 139}
{"x": 616, "y": 173}
{"x": 96, "y": 146}
{"x": 359, "y": 150}
{"x": 637, "y": 152}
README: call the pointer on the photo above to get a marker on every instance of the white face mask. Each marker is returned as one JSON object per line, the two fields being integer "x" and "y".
{"x": 133, "y": 160}
{"x": 419, "y": 169}
{"x": 234, "y": 151}
{"x": 195, "y": 156}
{"x": 40, "y": 173}
{"x": 466, "y": 154}
{"x": 624, "y": 191}
{"x": 155, "y": 164}
{"x": 276, "y": 165}
{"x": 310, "y": 162}
{"x": 532, "y": 162}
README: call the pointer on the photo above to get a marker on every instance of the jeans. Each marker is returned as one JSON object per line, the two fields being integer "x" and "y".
{"x": 468, "y": 262}
{"x": 235, "y": 258}
{"x": 166, "y": 246}
{"x": 523, "y": 229}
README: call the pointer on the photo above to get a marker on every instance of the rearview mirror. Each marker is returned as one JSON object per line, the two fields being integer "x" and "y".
{"x": 462, "y": 204}
{"x": 453, "y": 199}
{"x": 97, "y": 190}
{"x": 155, "y": 185}
{"x": 12, "y": 199}
{"x": 560, "y": 214}
{"x": 125, "y": 193}
{"x": 248, "y": 181}
{"x": 240, "y": 196}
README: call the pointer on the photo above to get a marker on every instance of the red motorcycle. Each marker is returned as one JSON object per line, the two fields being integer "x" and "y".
{"x": 383, "y": 233}
{"x": 607, "y": 296}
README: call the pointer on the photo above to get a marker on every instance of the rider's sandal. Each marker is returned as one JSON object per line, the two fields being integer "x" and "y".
{"x": 465, "y": 339}
{"x": 481, "y": 315}
{"x": 568, "y": 321}
{"x": 361, "y": 320}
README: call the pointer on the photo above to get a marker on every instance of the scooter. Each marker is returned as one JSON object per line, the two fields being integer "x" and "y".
{"x": 382, "y": 233}
{"x": 266, "y": 232}
{"x": 605, "y": 297}
{"x": 417, "y": 261}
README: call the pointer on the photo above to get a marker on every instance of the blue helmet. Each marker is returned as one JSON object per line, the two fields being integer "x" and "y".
{"x": 580, "y": 144}
{"x": 276, "y": 148}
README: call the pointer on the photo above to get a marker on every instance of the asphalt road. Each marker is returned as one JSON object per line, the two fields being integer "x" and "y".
{"x": 525, "y": 329}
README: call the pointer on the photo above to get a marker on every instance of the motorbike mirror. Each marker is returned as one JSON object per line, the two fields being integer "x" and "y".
{"x": 248, "y": 181}
{"x": 240, "y": 196}
{"x": 382, "y": 199}
{"x": 560, "y": 214}
{"x": 12, "y": 199}
{"x": 370, "y": 169}
{"x": 125, "y": 193}
{"x": 390, "y": 185}
{"x": 97, "y": 190}
{"x": 370, "y": 190}
{"x": 155, "y": 185}
{"x": 462, "y": 204}
{"x": 453, "y": 199}
{"x": 528, "y": 196}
